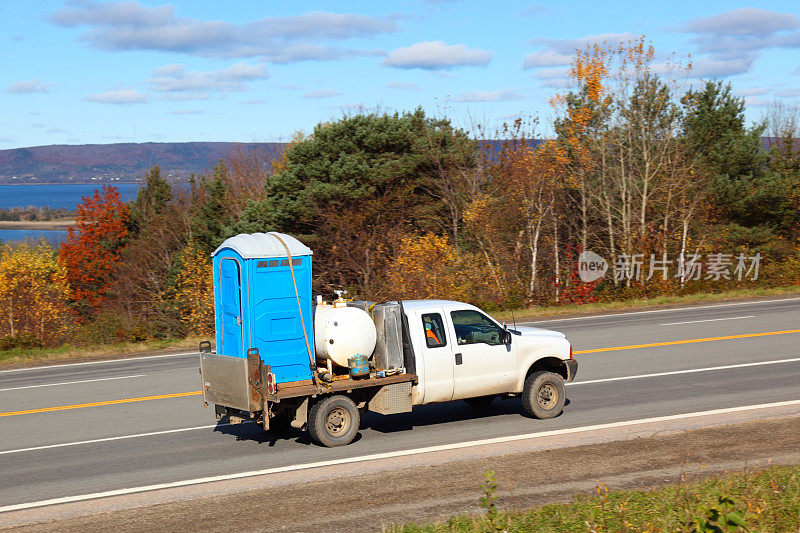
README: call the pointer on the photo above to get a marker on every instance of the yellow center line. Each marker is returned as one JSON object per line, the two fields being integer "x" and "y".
{"x": 95, "y": 404}
{"x": 577, "y": 352}
{"x": 689, "y": 341}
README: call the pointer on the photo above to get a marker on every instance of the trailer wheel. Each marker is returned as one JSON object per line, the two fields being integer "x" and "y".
{"x": 544, "y": 395}
{"x": 480, "y": 402}
{"x": 333, "y": 421}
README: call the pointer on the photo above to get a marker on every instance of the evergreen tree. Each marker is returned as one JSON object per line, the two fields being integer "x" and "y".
{"x": 210, "y": 215}
{"x": 150, "y": 200}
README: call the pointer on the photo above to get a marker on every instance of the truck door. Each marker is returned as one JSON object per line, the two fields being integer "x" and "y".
{"x": 437, "y": 355}
{"x": 483, "y": 363}
{"x": 230, "y": 284}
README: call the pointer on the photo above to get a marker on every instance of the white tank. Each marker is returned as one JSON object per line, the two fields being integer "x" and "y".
{"x": 342, "y": 332}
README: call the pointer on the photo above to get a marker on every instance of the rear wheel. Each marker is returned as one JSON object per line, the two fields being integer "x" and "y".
{"x": 544, "y": 395}
{"x": 480, "y": 402}
{"x": 334, "y": 421}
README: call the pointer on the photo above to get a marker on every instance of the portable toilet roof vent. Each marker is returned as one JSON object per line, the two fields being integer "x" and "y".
{"x": 262, "y": 299}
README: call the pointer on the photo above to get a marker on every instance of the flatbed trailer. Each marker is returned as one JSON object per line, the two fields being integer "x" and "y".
{"x": 245, "y": 390}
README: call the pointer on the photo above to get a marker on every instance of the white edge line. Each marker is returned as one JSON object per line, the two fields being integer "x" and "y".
{"x": 556, "y": 319}
{"x": 108, "y": 439}
{"x": 72, "y": 382}
{"x": 706, "y": 320}
{"x": 389, "y": 455}
{"x": 690, "y": 371}
{"x": 120, "y": 360}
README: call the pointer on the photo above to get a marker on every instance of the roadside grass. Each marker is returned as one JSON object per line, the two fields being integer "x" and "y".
{"x": 526, "y": 313}
{"x": 767, "y": 500}
{"x": 20, "y": 356}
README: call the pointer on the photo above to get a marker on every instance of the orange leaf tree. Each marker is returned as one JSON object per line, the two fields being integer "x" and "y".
{"x": 91, "y": 251}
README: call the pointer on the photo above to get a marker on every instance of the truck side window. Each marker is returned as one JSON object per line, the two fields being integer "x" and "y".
{"x": 473, "y": 327}
{"x": 434, "y": 330}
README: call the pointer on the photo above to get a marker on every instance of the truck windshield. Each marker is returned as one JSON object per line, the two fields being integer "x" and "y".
{"x": 473, "y": 327}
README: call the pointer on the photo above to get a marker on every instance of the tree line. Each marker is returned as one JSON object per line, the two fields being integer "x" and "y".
{"x": 664, "y": 181}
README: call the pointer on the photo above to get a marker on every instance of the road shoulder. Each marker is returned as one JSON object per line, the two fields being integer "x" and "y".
{"x": 369, "y": 495}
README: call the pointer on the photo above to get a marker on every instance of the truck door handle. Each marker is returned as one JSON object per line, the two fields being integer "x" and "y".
{"x": 458, "y": 359}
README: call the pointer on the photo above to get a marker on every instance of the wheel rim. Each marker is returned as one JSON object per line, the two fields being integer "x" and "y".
{"x": 337, "y": 422}
{"x": 547, "y": 396}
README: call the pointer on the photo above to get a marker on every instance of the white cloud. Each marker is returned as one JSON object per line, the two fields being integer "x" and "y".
{"x": 27, "y": 87}
{"x": 749, "y": 21}
{"x": 560, "y": 52}
{"x": 732, "y": 41}
{"x": 501, "y": 95}
{"x": 753, "y": 91}
{"x": 118, "y": 96}
{"x": 321, "y": 93}
{"x": 184, "y": 96}
{"x": 788, "y": 93}
{"x": 552, "y": 73}
{"x": 135, "y": 26}
{"x": 175, "y": 78}
{"x": 254, "y": 101}
{"x": 546, "y": 58}
{"x": 433, "y": 55}
{"x": 533, "y": 9}
{"x": 402, "y": 85}
{"x": 716, "y": 67}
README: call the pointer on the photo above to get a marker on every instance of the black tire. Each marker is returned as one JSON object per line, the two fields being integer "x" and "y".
{"x": 334, "y": 421}
{"x": 544, "y": 395}
{"x": 480, "y": 402}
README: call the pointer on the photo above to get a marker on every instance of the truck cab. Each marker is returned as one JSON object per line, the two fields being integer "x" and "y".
{"x": 464, "y": 353}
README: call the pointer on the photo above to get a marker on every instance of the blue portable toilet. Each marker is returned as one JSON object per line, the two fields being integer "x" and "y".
{"x": 256, "y": 301}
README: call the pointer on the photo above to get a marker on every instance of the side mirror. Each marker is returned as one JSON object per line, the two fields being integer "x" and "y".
{"x": 506, "y": 337}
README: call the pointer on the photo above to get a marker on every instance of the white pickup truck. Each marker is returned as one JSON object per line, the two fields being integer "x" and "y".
{"x": 447, "y": 351}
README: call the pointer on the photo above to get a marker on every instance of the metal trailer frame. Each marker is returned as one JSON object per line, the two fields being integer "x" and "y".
{"x": 243, "y": 389}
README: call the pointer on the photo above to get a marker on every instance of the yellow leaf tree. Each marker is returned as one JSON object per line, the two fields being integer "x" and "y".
{"x": 424, "y": 268}
{"x": 195, "y": 291}
{"x": 34, "y": 294}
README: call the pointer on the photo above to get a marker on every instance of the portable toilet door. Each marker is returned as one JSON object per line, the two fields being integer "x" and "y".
{"x": 230, "y": 287}
{"x": 263, "y": 300}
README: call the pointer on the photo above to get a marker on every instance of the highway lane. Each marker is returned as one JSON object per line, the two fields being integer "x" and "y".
{"x": 84, "y": 468}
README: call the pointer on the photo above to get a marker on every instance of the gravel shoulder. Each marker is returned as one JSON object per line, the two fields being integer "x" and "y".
{"x": 371, "y": 495}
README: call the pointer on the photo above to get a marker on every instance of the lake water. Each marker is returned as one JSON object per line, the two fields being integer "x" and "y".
{"x": 60, "y": 196}
{"x": 51, "y": 237}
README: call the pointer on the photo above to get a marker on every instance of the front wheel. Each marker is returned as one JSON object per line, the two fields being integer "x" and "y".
{"x": 544, "y": 395}
{"x": 334, "y": 421}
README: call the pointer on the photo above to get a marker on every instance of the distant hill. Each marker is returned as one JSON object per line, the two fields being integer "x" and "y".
{"x": 117, "y": 162}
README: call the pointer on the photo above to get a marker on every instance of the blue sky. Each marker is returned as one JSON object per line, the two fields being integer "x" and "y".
{"x": 255, "y": 71}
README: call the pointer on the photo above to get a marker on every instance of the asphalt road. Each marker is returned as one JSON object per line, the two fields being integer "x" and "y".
{"x": 160, "y": 437}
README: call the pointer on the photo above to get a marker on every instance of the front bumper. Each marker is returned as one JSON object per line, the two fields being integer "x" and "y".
{"x": 572, "y": 368}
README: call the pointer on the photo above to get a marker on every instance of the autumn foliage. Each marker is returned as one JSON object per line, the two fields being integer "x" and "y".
{"x": 640, "y": 164}
{"x": 34, "y": 294}
{"x": 91, "y": 251}
{"x": 194, "y": 291}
